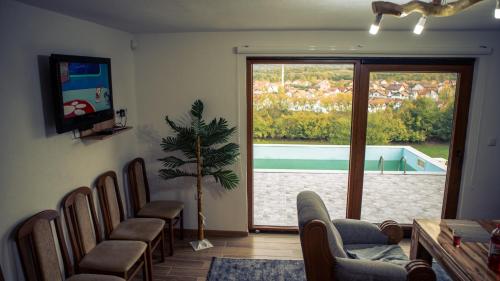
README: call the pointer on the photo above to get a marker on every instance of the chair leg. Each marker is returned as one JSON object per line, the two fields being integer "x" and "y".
{"x": 162, "y": 245}
{"x": 182, "y": 224}
{"x": 145, "y": 272}
{"x": 171, "y": 238}
{"x": 149, "y": 261}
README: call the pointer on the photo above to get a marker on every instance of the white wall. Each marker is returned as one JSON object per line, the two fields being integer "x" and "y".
{"x": 38, "y": 166}
{"x": 172, "y": 70}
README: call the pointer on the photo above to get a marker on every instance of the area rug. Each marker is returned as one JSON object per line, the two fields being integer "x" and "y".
{"x": 225, "y": 269}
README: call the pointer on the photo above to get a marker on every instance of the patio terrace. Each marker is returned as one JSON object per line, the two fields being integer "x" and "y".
{"x": 385, "y": 196}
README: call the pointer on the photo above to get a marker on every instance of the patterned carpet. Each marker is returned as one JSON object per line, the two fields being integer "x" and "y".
{"x": 224, "y": 269}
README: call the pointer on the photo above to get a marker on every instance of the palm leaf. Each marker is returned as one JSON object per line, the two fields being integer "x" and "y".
{"x": 223, "y": 156}
{"x": 217, "y": 132}
{"x": 197, "y": 109}
{"x": 228, "y": 179}
{"x": 174, "y": 162}
{"x": 174, "y": 126}
{"x": 183, "y": 143}
{"x": 174, "y": 173}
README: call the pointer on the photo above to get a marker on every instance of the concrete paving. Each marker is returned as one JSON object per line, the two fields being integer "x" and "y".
{"x": 389, "y": 196}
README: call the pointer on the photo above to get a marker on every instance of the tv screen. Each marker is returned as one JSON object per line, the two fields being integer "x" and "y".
{"x": 83, "y": 93}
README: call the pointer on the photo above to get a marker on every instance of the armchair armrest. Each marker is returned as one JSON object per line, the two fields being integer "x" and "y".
{"x": 359, "y": 232}
{"x": 392, "y": 230}
{"x": 362, "y": 232}
{"x": 419, "y": 270}
{"x": 358, "y": 270}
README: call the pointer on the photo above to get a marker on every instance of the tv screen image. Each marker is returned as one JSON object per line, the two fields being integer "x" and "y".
{"x": 83, "y": 92}
{"x": 85, "y": 88}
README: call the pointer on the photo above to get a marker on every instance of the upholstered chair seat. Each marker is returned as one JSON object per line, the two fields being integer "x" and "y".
{"x": 124, "y": 254}
{"x": 161, "y": 209}
{"x": 94, "y": 277}
{"x": 138, "y": 229}
{"x": 171, "y": 211}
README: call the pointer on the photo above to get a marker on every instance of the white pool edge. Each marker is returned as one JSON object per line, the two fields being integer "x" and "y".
{"x": 409, "y": 148}
{"x": 345, "y": 172}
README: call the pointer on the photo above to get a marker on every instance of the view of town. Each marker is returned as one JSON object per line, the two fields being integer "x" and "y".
{"x": 312, "y": 103}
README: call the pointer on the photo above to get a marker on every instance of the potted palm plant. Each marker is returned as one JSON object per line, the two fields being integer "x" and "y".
{"x": 206, "y": 152}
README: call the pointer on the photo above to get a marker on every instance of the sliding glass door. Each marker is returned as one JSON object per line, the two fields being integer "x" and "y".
{"x": 375, "y": 140}
{"x": 301, "y": 119}
{"x": 408, "y": 133}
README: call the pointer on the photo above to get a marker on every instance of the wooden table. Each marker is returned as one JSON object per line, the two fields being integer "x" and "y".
{"x": 432, "y": 238}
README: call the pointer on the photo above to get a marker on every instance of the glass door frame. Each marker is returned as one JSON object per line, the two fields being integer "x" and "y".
{"x": 361, "y": 77}
{"x": 464, "y": 68}
{"x": 249, "y": 79}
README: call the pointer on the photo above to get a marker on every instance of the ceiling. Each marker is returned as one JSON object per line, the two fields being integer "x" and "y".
{"x": 153, "y": 16}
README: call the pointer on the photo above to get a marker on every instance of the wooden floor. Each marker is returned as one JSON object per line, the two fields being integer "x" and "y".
{"x": 194, "y": 266}
{"x": 188, "y": 265}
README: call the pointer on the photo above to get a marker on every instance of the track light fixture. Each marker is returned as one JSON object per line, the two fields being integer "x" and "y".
{"x": 420, "y": 25}
{"x": 376, "y": 25}
{"x": 434, "y": 8}
{"x": 497, "y": 10}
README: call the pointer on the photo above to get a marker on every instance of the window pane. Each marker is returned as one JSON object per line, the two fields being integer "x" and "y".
{"x": 302, "y": 132}
{"x": 410, "y": 120}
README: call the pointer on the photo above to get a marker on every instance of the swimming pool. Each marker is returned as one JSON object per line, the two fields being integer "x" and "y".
{"x": 324, "y": 158}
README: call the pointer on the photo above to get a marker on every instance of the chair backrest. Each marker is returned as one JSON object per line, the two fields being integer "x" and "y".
{"x": 110, "y": 201}
{"x": 320, "y": 240}
{"x": 82, "y": 223}
{"x": 138, "y": 184}
{"x": 37, "y": 248}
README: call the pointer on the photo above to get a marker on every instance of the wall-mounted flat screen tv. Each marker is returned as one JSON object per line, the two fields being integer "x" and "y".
{"x": 83, "y": 91}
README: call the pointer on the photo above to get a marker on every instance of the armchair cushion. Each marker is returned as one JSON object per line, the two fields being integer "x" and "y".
{"x": 359, "y": 232}
{"x": 386, "y": 253}
{"x": 365, "y": 270}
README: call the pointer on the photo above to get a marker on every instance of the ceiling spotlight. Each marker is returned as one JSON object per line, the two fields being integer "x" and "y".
{"x": 376, "y": 25}
{"x": 497, "y": 10}
{"x": 420, "y": 25}
{"x": 436, "y": 8}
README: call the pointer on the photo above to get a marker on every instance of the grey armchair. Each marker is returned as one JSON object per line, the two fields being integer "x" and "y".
{"x": 352, "y": 250}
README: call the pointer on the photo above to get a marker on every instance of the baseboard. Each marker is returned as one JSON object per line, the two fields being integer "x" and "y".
{"x": 214, "y": 233}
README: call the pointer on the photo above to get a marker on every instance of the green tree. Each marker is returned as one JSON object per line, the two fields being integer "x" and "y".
{"x": 419, "y": 117}
{"x": 442, "y": 128}
{"x": 340, "y": 129}
{"x": 204, "y": 145}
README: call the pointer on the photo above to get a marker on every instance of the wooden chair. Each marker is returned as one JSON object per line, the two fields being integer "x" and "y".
{"x": 91, "y": 253}
{"x": 170, "y": 211}
{"x": 117, "y": 227}
{"x": 39, "y": 255}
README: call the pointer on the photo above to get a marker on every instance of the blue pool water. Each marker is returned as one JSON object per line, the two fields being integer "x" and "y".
{"x": 336, "y": 157}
